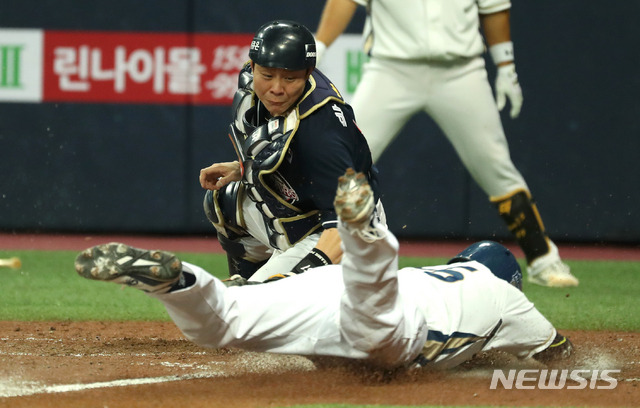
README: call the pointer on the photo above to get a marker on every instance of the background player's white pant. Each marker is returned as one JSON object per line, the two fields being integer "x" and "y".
{"x": 457, "y": 96}
{"x": 382, "y": 314}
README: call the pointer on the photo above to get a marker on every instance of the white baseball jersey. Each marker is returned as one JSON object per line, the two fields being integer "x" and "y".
{"x": 427, "y": 29}
{"x": 365, "y": 309}
{"x": 426, "y": 56}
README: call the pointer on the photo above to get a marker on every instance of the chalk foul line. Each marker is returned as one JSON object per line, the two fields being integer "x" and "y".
{"x": 26, "y": 389}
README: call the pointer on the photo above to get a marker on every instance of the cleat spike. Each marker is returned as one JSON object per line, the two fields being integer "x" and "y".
{"x": 354, "y": 204}
{"x": 150, "y": 271}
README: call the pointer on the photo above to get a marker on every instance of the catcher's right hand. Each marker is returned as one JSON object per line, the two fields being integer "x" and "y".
{"x": 219, "y": 175}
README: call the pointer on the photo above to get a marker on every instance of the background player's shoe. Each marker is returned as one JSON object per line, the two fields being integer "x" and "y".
{"x": 355, "y": 207}
{"x": 549, "y": 270}
{"x": 150, "y": 271}
{"x": 560, "y": 348}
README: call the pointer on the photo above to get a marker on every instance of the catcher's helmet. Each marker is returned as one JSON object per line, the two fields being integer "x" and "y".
{"x": 494, "y": 256}
{"x": 283, "y": 44}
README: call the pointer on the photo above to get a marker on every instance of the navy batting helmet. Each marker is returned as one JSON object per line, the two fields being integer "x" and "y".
{"x": 283, "y": 44}
{"x": 494, "y": 256}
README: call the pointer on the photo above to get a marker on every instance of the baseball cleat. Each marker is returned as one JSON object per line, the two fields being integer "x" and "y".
{"x": 150, "y": 271}
{"x": 549, "y": 270}
{"x": 561, "y": 348}
{"x": 556, "y": 275}
{"x": 354, "y": 198}
{"x": 354, "y": 206}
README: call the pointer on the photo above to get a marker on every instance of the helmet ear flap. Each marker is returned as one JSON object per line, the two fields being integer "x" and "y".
{"x": 494, "y": 256}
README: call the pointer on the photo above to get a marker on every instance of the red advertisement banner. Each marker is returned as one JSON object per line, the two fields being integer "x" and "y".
{"x": 140, "y": 67}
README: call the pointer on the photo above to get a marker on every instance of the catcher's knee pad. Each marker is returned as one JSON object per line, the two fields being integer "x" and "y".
{"x": 520, "y": 213}
{"x": 224, "y": 209}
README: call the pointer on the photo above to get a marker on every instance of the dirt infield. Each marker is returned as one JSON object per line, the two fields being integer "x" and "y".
{"x": 150, "y": 364}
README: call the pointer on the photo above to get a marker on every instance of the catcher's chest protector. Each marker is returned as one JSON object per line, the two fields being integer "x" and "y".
{"x": 262, "y": 145}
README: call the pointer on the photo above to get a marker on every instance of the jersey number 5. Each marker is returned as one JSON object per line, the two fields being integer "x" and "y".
{"x": 452, "y": 274}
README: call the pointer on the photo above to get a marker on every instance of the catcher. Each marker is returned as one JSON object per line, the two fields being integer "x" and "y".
{"x": 294, "y": 136}
{"x": 364, "y": 309}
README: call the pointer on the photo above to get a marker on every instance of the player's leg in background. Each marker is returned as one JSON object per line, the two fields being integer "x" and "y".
{"x": 464, "y": 108}
{"x": 521, "y": 215}
{"x": 383, "y": 102}
{"x": 372, "y": 314}
{"x": 462, "y": 105}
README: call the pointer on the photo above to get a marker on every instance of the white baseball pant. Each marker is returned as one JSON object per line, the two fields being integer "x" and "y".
{"x": 457, "y": 96}
{"x": 362, "y": 309}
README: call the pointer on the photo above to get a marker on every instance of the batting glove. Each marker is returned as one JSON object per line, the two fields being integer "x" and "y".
{"x": 507, "y": 86}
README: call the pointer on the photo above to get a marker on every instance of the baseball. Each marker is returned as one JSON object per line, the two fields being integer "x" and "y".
{"x": 13, "y": 263}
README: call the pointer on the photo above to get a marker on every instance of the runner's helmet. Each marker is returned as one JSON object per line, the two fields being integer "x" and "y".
{"x": 494, "y": 256}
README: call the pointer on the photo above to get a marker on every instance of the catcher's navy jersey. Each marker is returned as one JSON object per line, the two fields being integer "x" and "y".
{"x": 326, "y": 144}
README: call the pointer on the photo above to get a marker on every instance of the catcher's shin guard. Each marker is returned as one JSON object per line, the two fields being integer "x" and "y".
{"x": 520, "y": 213}
{"x": 224, "y": 209}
